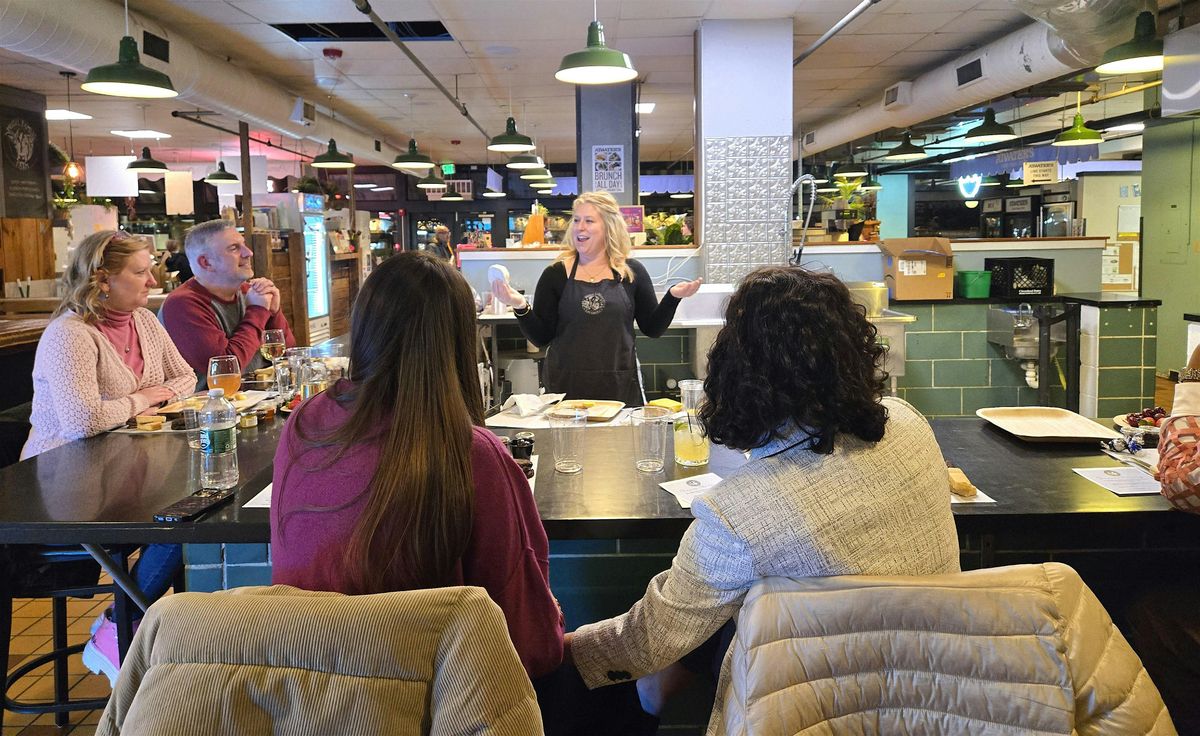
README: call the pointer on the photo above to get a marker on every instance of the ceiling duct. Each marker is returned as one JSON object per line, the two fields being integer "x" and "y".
{"x": 1037, "y": 53}
{"x": 88, "y": 35}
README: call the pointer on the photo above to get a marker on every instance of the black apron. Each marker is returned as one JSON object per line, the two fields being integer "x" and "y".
{"x": 592, "y": 356}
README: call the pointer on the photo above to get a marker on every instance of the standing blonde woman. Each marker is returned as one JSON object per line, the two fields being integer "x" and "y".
{"x": 102, "y": 359}
{"x": 586, "y": 303}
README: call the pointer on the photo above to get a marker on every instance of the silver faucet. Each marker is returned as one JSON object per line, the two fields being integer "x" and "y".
{"x": 812, "y": 200}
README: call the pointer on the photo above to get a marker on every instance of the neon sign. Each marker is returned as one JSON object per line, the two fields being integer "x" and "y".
{"x": 968, "y": 186}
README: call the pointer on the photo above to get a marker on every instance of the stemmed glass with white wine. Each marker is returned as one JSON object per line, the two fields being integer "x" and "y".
{"x": 272, "y": 350}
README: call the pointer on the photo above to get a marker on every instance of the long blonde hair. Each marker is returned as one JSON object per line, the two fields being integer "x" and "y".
{"x": 616, "y": 235}
{"x": 106, "y": 251}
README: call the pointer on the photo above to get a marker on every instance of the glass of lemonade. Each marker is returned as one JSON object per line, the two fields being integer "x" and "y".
{"x": 691, "y": 444}
{"x": 224, "y": 372}
{"x": 272, "y": 350}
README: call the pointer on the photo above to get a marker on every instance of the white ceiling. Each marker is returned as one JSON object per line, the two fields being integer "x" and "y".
{"x": 514, "y": 47}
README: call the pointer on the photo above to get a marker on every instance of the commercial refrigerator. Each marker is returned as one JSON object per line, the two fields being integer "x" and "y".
{"x": 991, "y": 220}
{"x": 1055, "y": 219}
{"x": 316, "y": 265}
{"x": 1020, "y": 215}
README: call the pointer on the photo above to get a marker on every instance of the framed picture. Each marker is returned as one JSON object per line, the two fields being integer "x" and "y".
{"x": 634, "y": 218}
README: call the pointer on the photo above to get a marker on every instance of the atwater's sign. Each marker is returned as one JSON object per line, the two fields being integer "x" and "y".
{"x": 1006, "y": 161}
{"x": 1040, "y": 172}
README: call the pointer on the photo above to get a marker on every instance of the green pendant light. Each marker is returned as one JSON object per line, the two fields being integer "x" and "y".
{"x": 536, "y": 174}
{"x": 129, "y": 77}
{"x": 221, "y": 177}
{"x": 990, "y": 131}
{"x": 1015, "y": 183}
{"x": 333, "y": 158}
{"x": 597, "y": 64}
{"x": 452, "y": 195}
{"x": 433, "y": 181}
{"x": 869, "y": 184}
{"x": 906, "y": 151}
{"x": 412, "y": 160}
{"x": 526, "y": 161}
{"x": 147, "y": 164}
{"x": 545, "y": 184}
{"x": 990, "y": 181}
{"x": 819, "y": 175}
{"x": 851, "y": 170}
{"x": 1078, "y": 134}
{"x": 1143, "y": 53}
{"x": 492, "y": 194}
{"x": 510, "y": 141}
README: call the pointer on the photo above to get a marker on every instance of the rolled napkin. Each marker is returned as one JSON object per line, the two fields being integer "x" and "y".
{"x": 527, "y": 405}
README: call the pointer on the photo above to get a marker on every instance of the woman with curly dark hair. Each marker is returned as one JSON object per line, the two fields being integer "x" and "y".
{"x": 841, "y": 480}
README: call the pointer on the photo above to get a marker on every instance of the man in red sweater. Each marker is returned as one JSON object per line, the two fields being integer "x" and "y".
{"x": 223, "y": 309}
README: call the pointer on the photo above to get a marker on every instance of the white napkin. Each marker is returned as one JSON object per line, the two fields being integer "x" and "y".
{"x": 527, "y": 405}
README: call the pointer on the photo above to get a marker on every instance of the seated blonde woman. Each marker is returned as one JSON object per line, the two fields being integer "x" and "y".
{"x": 103, "y": 359}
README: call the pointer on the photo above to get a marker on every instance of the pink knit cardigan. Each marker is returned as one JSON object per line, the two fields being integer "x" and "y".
{"x": 82, "y": 387}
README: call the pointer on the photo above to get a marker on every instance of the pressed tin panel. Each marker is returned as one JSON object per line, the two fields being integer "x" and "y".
{"x": 746, "y": 202}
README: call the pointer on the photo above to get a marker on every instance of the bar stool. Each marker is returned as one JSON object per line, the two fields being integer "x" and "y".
{"x": 57, "y": 573}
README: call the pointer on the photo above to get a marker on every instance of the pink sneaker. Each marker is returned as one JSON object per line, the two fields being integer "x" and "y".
{"x": 100, "y": 653}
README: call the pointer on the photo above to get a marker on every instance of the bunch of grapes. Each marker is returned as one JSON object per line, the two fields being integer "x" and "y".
{"x": 1147, "y": 417}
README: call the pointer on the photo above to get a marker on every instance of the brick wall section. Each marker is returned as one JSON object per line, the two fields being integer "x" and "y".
{"x": 952, "y": 370}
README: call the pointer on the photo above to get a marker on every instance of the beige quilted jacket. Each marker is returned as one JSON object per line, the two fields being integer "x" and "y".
{"x": 283, "y": 661}
{"x": 1026, "y": 649}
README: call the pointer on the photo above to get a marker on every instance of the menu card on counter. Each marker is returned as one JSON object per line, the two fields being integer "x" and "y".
{"x": 1123, "y": 481}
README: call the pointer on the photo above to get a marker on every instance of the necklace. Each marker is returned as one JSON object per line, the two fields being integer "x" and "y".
{"x": 591, "y": 274}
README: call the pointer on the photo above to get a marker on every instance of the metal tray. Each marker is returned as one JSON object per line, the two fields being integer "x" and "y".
{"x": 1045, "y": 424}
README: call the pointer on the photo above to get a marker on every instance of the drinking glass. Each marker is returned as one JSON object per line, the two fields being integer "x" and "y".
{"x": 566, "y": 432}
{"x": 191, "y": 422}
{"x": 334, "y": 356}
{"x": 293, "y": 359}
{"x": 651, "y": 426}
{"x": 225, "y": 372}
{"x": 272, "y": 350}
{"x": 691, "y": 444}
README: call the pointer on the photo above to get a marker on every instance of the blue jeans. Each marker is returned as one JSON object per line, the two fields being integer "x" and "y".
{"x": 155, "y": 570}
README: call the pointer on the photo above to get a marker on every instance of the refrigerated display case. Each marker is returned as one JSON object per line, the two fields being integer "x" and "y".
{"x": 316, "y": 265}
{"x": 1020, "y": 215}
{"x": 991, "y": 219}
{"x": 1055, "y": 219}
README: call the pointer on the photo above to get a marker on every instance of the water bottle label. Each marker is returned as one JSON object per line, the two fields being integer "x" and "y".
{"x": 218, "y": 441}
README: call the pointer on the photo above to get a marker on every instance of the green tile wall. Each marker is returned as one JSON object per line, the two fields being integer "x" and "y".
{"x": 1128, "y": 353}
{"x": 952, "y": 370}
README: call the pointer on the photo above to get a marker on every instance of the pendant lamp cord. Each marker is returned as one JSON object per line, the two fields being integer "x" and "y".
{"x": 127, "y": 17}
{"x": 595, "y": 15}
{"x": 70, "y": 123}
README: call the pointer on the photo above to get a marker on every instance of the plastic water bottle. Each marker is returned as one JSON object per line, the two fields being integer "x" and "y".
{"x": 218, "y": 442}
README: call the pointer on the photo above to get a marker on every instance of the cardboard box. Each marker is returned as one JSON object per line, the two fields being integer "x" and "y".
{"x": 918, "y": 268}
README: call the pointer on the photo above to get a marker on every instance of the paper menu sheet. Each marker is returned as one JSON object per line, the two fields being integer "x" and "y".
{"x": 685, "y": 490}
{"x": 1123, "y": 481}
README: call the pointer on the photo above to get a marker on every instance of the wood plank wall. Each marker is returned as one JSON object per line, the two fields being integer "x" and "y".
{"x": 26, "y": 248}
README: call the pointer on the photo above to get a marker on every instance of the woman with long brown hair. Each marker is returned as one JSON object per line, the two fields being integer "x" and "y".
{"x": 388, "y": 481}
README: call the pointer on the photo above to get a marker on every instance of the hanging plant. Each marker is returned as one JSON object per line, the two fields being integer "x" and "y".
{"x": 309, "y": 185}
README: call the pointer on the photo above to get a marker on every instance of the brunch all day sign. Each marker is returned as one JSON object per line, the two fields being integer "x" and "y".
{"x": 608, "y": 168}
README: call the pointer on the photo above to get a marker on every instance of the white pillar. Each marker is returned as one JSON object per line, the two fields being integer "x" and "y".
{"x": 743, "y": 145}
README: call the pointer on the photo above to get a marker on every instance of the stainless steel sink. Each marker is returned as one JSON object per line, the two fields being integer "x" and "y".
{"x": 1015, "y": 329}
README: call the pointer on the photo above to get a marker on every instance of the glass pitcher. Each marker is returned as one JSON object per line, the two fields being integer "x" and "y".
{"x": 691, "y": 444}
{"x": 313, "y": 377}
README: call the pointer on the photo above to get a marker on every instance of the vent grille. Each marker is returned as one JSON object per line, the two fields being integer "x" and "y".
{"x": 156, "y": 46}
{"x": 430, "y": 30}
{"x": 969, "y": 72}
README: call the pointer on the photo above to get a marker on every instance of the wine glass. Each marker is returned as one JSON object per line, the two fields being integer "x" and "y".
{"x": 272, "y": 350}
{"x": 224, "y": 372}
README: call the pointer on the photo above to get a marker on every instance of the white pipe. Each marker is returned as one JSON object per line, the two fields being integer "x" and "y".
{"x": 1023, "y": 58}
{"x": 81, "y": 34}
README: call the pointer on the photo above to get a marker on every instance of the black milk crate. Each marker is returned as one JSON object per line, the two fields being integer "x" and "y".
{"x": 1021, "y": 276}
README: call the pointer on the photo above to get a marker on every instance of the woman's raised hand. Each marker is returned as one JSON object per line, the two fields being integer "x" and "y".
{"x": 687, "y": 288}
{"x": 505, "y": 293}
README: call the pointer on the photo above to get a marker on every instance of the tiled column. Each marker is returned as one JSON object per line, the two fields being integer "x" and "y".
{"x": 743, "y": 144}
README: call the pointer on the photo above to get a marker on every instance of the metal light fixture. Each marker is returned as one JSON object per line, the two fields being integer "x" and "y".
{"x": 526, "y": 161}
{"x": 1143, "y": 53}
{"x": 510, "y": 141}
{"x": 536, "y": 174}
{"x": 147, "y": 164}
{"x": 221, "y": 177}
{"x": 413, "y": 159}
{"x": 596, "y": 64}
{"x": 990, "y": 181}
{"x": 72, "y": 170}
{"x": 492, "y": 194}
{"x": 546, "y": 184}
{"x": 333, "y": 158}
{"x": 869, "y": 184}
{"x": 129, "y": 77}
{"x": 1078, "y": 134}
{"x": 851, "y": 170}
{"x": 433, "y": 181}
{"x": 681, "y": 195}
{"x": 1014, "y": 183}
{"x": 452, "y": 195}
{"x": 990, "y": 131}
{"x": 906, "y": 151}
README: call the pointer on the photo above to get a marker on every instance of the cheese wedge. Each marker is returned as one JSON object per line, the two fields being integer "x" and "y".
{"x": 150, "y": 423}
{"x": 959, "y": 485}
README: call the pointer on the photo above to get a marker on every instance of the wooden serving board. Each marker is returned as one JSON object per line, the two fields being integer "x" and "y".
{"x": 597, "y": 410}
